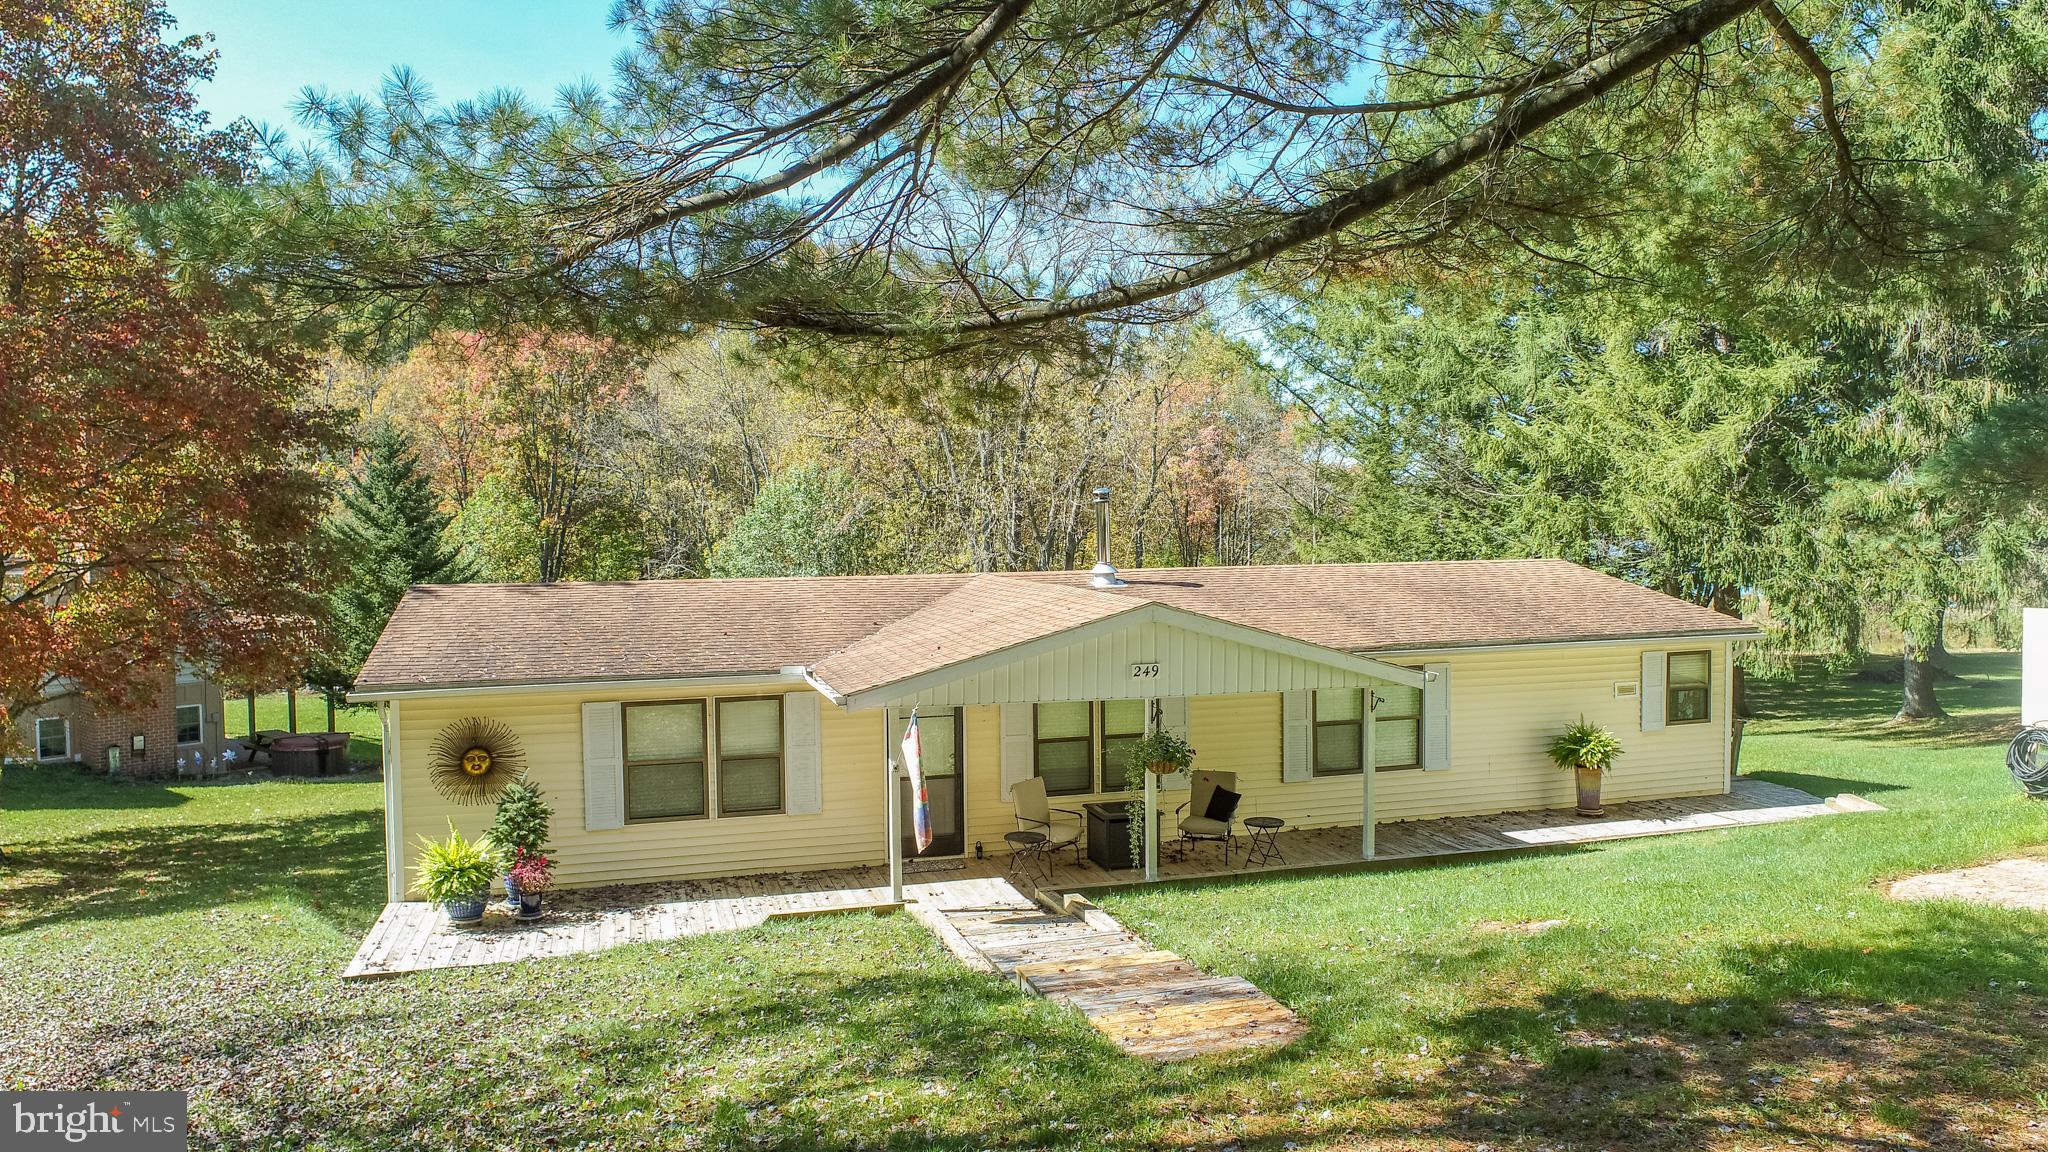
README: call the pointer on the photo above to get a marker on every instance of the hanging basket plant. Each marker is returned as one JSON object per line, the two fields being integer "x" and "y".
{"x": 1161, "y": 753}
{"x": 474, "y": 759}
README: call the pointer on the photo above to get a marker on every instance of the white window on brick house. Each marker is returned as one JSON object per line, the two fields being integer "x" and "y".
{"x": 53, "y": 738}
{"x": 191, "y": 729}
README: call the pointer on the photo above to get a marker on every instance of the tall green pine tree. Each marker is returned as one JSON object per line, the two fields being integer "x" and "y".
{"x": 391, "y": 534}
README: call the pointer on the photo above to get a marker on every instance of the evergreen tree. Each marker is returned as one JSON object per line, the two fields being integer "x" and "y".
{"x": 391, "y": 534}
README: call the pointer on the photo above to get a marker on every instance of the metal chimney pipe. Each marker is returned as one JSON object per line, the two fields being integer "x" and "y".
{"x": 1103, "y": 575}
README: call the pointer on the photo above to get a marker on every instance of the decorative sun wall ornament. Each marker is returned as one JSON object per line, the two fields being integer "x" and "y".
{"x": 473, "y": 759}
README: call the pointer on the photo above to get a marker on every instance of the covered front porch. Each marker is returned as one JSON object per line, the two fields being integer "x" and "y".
{"x": 1080, "y": 677}
{"x": 414, "y": 936}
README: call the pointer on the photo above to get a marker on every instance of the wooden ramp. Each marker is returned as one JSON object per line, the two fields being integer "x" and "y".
{"x": 1152, "y": 1003}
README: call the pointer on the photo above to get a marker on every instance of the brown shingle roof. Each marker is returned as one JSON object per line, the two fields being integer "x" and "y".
{"x": 865, "y": 628}
{"x": 987, "y": 614}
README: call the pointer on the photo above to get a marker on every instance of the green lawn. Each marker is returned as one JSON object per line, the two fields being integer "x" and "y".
{"x": 366, "y": 738}
{"x": 1742, "y": 989}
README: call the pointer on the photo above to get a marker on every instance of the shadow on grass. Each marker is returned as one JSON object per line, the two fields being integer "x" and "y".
{"x": 1816, "y": 698}
{"x": 332, "y": 862}
{"x": 1814, "y": 1034}
{"x": 1824, "y": 786}
{"x": 63, "y": 788}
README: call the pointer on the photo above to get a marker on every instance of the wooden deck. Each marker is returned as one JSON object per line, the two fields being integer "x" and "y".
{"x": 1149, "y": 1002}
{"x": 1752, "y": 802}
{"x": 413, "y": 936}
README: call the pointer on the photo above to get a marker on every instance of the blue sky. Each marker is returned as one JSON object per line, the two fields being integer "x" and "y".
{"x": 270, "y": 49}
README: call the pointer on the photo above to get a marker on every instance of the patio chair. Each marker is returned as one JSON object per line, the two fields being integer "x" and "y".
{"x": 1061, "y": 826}
{"x": 1206, "y": 820}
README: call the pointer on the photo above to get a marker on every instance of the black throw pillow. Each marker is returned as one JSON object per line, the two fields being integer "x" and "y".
{"x": 1222, "y": 804}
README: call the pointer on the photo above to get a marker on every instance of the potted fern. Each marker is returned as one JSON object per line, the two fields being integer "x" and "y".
{"x": 520, "y": 827}
{"x": 456, "y": 873}
{"x": 1589, "y": 750}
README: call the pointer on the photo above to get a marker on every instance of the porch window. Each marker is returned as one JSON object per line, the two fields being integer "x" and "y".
{"x": 1123, "y": 725}
{"x": 938, "y": 738}
{"x": 1065, "y": 739}
{"x": 53, "y": 738}
{"x": 750, "y": 756}
{"x": 665, "y": 760}
{"x": 1397, "y": 728}
{"x": 189, "y": 727}
{"x": 1687, "y": 697}
{"x": 1340, "y": 731}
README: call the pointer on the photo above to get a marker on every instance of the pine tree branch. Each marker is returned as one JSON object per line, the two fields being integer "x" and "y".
{"x": 1587, "y": 81}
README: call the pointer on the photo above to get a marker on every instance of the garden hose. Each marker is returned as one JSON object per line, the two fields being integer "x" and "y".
{"x": 2023, "y": 758}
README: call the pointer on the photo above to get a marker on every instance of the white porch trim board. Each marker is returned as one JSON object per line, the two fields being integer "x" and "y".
{"x": 394, "y": 810}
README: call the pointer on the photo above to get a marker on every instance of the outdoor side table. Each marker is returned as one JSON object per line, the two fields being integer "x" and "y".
{"x": 1264, "y": 847}
{"x": 1027, "y": 848}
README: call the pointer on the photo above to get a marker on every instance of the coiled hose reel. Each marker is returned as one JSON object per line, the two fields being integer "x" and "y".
{"x": 2025, "y": 760}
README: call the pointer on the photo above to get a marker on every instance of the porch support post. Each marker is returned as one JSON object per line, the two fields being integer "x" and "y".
{"x": 889, "y": 802}
{"x": 1149, "y": 828}
{"x": 1366, "y": 834}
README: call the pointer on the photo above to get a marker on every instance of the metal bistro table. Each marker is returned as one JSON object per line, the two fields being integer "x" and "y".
{"x": 1264, "y": 847}
{"x": 1026, "y": 849}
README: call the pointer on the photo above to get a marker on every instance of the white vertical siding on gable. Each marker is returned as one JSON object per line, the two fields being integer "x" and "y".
{"x": 1099, "y": 668}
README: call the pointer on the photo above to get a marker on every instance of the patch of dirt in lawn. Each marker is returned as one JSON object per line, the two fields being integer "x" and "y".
{"x": 1828, "y": 1076}
{"x": 2021, "y": 883}
{"x": 1518, "y": 927}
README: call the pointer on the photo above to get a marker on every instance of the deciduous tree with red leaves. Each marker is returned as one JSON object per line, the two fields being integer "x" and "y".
{"x": 157, "y": 497}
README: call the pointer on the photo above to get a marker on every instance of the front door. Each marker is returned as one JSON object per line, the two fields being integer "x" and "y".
{"x": 938, "y": 734}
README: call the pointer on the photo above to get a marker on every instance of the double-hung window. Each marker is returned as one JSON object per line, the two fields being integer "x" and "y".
{"x": 53, "y": 738}
{"x": 190, "y": 727}
{"x": 665, "y": 760}
{"x": 1064, "y": 735}
{"x": 1397, "y": 728}
{"x": 1687, "y": 699}
{"x": 1339, "y": 731}
{"x": 750, "y": 756}
{"x": 1123, "y": 725}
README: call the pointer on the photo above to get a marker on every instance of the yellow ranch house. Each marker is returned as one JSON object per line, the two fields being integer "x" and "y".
{"x": 688, "y": 729}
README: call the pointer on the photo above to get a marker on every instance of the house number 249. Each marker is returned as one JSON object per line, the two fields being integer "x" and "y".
{"x": 1146, "y": 671}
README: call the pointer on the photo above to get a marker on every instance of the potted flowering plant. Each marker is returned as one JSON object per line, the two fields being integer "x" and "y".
{"x": 456, "y": 873}
{"x": 1589, "y": 750}
{"x": 535, "y": 874}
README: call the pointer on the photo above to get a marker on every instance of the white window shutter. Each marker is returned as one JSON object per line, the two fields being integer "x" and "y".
{"x": 1017, "y": 750}
{"x": 1436, "y": 718}
{"x": 1173, "y": 717}
{"x": 803, "y": 755}
{"x": 1297, "y": 735}
{"x": 1651, "y": 690}
{"x": 604, "y": 766}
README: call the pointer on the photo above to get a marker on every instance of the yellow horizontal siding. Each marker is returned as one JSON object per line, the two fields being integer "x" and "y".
{"x": 848, "y": 831}
{"x": 1505, "y": 706}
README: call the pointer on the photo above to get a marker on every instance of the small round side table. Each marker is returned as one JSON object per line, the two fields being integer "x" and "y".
{"x": 1264, "y": 847}
{"x": 1027, "y": 848}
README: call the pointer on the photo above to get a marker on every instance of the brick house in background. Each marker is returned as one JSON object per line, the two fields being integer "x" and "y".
{"x": 178, "y": 730}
